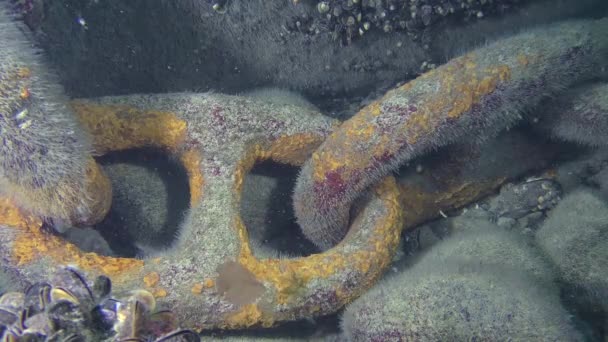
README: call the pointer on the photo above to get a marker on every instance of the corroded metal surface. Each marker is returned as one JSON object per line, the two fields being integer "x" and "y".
{"x": 210, "y": 275}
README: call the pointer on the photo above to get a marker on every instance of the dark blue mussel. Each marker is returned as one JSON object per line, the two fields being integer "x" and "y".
{"x": 70, "y": 309}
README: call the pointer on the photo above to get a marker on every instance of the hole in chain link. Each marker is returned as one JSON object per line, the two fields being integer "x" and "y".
{"x": 149, "y": 201}
{"x": 267, "y": 211}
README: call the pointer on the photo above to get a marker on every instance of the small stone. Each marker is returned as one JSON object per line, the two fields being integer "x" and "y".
{"x": 532, "y": 220}
{"x": 506, "y": 222}
{"x": 337, "y": 11}
{"x": 323, "y": 7}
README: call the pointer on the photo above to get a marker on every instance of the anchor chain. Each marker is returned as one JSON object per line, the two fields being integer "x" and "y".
{"x": 210, "y": 276}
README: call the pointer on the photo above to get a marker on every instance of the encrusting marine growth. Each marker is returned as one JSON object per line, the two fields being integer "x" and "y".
{"x": 580, "y": 116}
{"x": 45, "y": 162}
{"x": 574, "y": 239}
{"x": 480, "y": 283}
{"x": 210, "y": 275}
{"x": 474, "y": 96}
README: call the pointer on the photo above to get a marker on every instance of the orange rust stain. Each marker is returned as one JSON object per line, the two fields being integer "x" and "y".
{"x": 11, "y": 217}
{"x": 341, "y": 149}
{"x": 100, "y": 188}
{"x": 421, "y": 205}
{"x": 17, "y": 78}
{"x": 294, "y": 149}
{"x": 418, "y": 124}
{"x": 159, "y": 293}
{"x": 291, "y": 149}
{"x": 30, "y": 244}
{"x": 382, "y": 147}
{"x": 197, "y": 289}
{"x": 24, "y": 72}
{"x": 209, "y": 283}
{"x": 119, "y": 127}
{"x": 248, "y": 316}
{"x": 374, "y": 109}
{"x": 523, "y": 59}
{"x": 191, "y": 161}
{"x": 406, "y": 86}
{"x": 461, "y": 89}
{"x": 254, "y": 154}
{"x": 151, "y": 279}
{"x": 551, "y": 173}
{"x": 291, "y": 276}
{"x": 63, "y": 198}
{"x": 462, "y": 83}
{"x": 25, "y": 93}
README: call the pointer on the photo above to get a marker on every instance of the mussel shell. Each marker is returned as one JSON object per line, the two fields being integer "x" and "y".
{"x": 74, "y": 338}
{"x": 37, "y": 297}
{"x": 180, "y": 336}
{"x": 32, "y": 337}
{"x": 38, "y": 323}
{"x": 105, "y": 314}
{"x": 13, "y": 331}
{"x": 110, "y": 304}
{"x": 8, "y": 317}
{"x": 161, "y": 322}
{"x": 10, "y": 337}
{"x": 103, "y": 319}
{"x": 102, "y": 287}
{"x": 131, "y": 318}
{"x": 66, "y": 315}
{"x": 63, "y": 336}
{"x": 59, "y": 294}
{"x": 75, "y": 283}
{"x": 23, "y": 315}
{"x": 145, "y": 298}
{"x": 12, "y": 300}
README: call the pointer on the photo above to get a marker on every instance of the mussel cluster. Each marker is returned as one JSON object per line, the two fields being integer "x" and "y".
{"x": 348, "y": 19}
{"x": 69, "y": 309}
